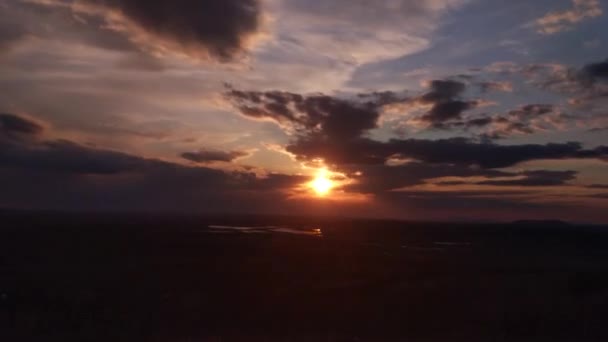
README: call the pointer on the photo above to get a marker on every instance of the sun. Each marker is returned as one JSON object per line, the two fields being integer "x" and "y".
{"x": 322, "y": 185}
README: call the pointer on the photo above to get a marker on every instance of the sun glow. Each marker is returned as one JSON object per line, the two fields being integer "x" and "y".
{"x": 322, "y": 185}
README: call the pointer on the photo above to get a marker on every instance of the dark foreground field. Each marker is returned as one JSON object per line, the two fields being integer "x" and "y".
{"x": 153, "y": 278}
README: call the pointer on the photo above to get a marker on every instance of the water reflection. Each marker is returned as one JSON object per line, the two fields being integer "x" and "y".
{"x": 220, "y": 229}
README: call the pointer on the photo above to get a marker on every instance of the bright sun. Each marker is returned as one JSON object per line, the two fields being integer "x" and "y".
{"x": 322, "y": 185}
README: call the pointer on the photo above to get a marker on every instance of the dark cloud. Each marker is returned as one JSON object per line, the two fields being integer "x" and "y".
{"x": 12, "y": 125}
{"x": 467, "y": 124}
{"x": 510, "y": 129}
{"x": 211, "y": 28}
{"x": 525, "y": 120}
{"x": 206, "y": 156}
{"x": 355, "y": 151}
{"x": 220, "y": 27}
{"x": 598, "y": 186}
{"x": 478, "y": 122}
{"x": 536, "y": 178}
{"x": 325, "y": 117}
{"x": 598, "y": 129}
{"x": 584, "y": 85}
{"x": 383, "y": 97}
{"x": 531, "y": 111}
{"x": 60, "y": 174}
{"x": 594, "y": 72}
{"x": 462, "y": 151}
{"x": 68, "y": 157}
{"x": 587, "y": 86}
{"x": 335, "y": 130}
{"x": 458, "y": 151}
{"x": 600, "y": 152}
{"x": 460, "y": 198}
{"x": 61, "y": 156}
{"x": 445, "y": 111}
{"x": 380, "y": 178}
{"x": 351, "y": 151}
{"x": 443, "y": 90}
{"x": 600, "y": 196}
{"x": 525, "y": 178}
{"x": 158, "y": 186}
{"x": 274, "y": 105}
{"x": 445, "y": 97}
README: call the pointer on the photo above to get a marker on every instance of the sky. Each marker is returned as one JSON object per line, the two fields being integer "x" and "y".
{"x": 432, "y": 110}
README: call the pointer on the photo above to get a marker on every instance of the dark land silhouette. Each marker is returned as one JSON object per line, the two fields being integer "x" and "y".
{"x": 169, "y": 278}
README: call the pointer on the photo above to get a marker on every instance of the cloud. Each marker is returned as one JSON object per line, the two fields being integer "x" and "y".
{"x": 478, "y": 122}
{"x": 157, "y": 187}
{"x": 14, "y": 126}
{"x": 524, "y": 120}
{"x": 89, "y": 178}
{"x": 442, "y": 103}
{"x": 598, "y": 129}
{"x": 443, "y": 90}
{"x": 559, "y": 21}
{"x": 217, "y": 29}
{"x": 68, "y": 157}
{"x": 531, "y": 111}
{"x": 486, "y": 87}
{"x": 587, "y": 86}
{"x": 593, "y": 73}
{"x": 361, "y": 32}
{"x": 318, "y": 45}
{"x": 446, "y": 102}
{"x": 458, "y": 151}
{"x": 72, "y": 176}
{"x": 62, "y": 156}
{"x": 10, "y": 30}
{"x": 446, "y": 111}
{"x": 324, "y": 116}
{"x": 54, "y": 21}
{"x": 380, "y": 178}
{"x": 535, "y": 178}
{"x": 335, "y": 130}
{"x": 527, "y": 119}
{"x": 206, "y": 156}
{"x": 591, "y": 79}
{"x": 73, "y": 63}
{"x": 462, "y": 151}
{"x": 598, "y": 186}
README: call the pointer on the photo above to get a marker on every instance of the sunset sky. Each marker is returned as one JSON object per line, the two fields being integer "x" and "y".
{"x": 409, "y": 109}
